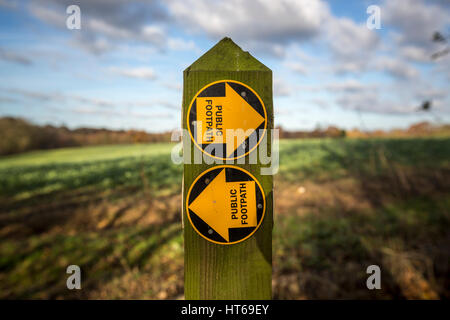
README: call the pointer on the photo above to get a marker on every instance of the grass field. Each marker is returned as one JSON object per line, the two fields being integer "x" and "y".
{"x": 340, "y": 206}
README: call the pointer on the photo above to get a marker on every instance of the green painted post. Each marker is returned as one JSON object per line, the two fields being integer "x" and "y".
{"x": 242, "y": 270}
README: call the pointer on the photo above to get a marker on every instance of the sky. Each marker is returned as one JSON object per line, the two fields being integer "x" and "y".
{"x": 123, "y": 68}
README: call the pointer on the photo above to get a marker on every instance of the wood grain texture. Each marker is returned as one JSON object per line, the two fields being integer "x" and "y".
{"x": 243, "y": 270}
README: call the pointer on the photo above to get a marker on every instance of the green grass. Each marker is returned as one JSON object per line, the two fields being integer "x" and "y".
{"x": 330, "y": 246}
{"x": 100, "y": 168}
{"x": 33, "y": 268}
{"x": 336, "y": 158}
{"x": 84, "y": 154}
{"x": 322, "y": 251}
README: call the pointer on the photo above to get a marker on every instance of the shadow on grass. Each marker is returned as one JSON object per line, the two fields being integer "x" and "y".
{"x": 19, "y": 183}
{"x": 37, "y": 269}
{"x": 327, "y": 159}
{"x": 325, "y": 256}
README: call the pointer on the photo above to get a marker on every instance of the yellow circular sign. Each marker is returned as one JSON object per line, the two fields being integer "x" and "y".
{"x": 227, "y": 119}
{"x": 225, "y": 204}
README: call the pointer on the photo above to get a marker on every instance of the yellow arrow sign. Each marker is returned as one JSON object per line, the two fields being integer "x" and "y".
{"x": 230, "y": 120}
{"x": 224, "y": 205}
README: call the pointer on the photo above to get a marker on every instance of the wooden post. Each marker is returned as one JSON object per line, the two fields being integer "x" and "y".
{"x": 220, "y": 270}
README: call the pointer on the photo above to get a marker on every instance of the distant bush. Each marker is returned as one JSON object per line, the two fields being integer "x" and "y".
{"x": 421, "y": 129}
{"x": 18, "y": 135}
{"x": 330, "y": 132}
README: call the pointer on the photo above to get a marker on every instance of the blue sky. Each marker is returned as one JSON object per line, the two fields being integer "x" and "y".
{"x": 123, "y": 69}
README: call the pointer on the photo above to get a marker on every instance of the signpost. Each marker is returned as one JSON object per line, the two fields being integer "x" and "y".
{"x": 222, "y": 106}
{"x": 227, "y": 202}
{"x": 225, "y": 205}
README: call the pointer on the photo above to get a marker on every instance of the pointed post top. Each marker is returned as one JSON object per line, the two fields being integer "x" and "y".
{"x": 227, "y": 56}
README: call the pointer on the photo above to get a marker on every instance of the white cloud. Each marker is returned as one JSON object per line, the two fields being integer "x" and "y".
{"x": 7, "y": 100}
{"x": 101, "y": 35}
{"x": 153, "y": 34}
{"x": 124, "y": 114}
{"x": 15, "y": 57}
{"x": 107, "y": 23}
{"x": 431, "y": 93}
{"x": 91, "y": 101}
{"x": 101, "y": 26}
{"x": 256, "y": 23}
{"x": 348, "y": 39}
{"x": 396, "y": 68}
{"x": 180, "y": 44}
{"x": 138, "y": 72}
{"x": 268, "y": 48}
{"x": 343, "y": 67}
{"x": 360, "y": 96}
{"x": 416, "y": 20}
{"x": 400, "y": 97}
{"x": 352, "y": 45}
{"x": 297, "y": 67}
{"x": 281, "y": 88}
{"x": 8, "y": 4}
{"x": 442, "y": 67}
{"x": 94, "y": 45}
{"x": 35, "y": 95}
{"x": 271, "y": 26}
{"x": 173, "y": 85}
{"x": 415, "y": 53}
{"x": 350, "y": 85}
{"x": 87, "y": 103}
{"x": 58, "y": 97}
{"x": 370, "y": 101}
{"x": 322, "y": 103}
{"x": 48, "y": 15}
